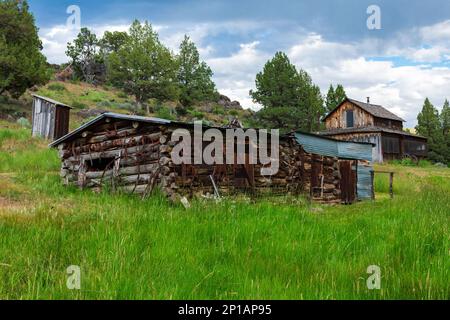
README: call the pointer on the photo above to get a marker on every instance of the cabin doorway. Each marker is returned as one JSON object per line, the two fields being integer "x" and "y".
{"x": 348, "y": 181}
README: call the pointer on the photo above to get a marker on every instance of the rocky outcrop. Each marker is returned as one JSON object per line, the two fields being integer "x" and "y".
{"x": 228, "y": 104}
{"x": 65, "y": 75}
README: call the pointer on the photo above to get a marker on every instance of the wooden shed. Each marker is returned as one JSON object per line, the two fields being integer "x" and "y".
{"x": 50, "y": 118}
{"x": 134, "y": 154}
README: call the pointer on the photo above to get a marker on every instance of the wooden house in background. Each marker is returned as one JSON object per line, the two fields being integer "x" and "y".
{"x": 357, "y": 121}
{"x": 50, "y": 118}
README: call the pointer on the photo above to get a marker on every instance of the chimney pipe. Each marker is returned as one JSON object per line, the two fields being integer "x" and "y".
{"x": 368, "y": 100}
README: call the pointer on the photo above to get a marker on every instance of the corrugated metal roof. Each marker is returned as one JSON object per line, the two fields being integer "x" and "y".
{"x": 374, "y": 109}
{"x": 108, "y": 115}
{"x": 334, "y": 148}
{"x": 57, "y": 103}
{"x": 343, "y": 150}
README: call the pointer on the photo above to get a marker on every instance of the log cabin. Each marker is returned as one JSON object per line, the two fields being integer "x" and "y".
{"x": 357, "y": 121}
{"x": 134, "y": 154}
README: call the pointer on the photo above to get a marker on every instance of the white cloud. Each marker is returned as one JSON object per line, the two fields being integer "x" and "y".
{"x": 235, "y": 75}
{"x": 437, "y": 33}
{"x": 402, "y": 88}
{"x": 55, "y": 39}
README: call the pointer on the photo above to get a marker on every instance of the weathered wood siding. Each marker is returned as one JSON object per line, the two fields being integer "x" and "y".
{"x": 338, "y": 119}
{"x": 49, "y": 121}
{"x": 387, "y": 123}
{"x": 44, "y": 114}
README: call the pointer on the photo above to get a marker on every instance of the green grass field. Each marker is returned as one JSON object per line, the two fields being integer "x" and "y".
{"x": 280, "y": 248}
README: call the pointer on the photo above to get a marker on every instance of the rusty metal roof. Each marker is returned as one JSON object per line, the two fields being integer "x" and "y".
{"x": 374, "y": 109}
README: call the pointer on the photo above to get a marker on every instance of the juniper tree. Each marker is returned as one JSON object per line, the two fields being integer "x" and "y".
{"x": 22, "y": 65}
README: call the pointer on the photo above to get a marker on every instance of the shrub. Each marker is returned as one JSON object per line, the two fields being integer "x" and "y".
{"x": 79, "y": 105}
{"x": 165, "y": 113}
{"x": 104, "y": 104}
{"x": 24, "y": 123}
{"x": 56, "y": 87}
{"x": 234, "y": 113}
{"x": 219, "y": 110}
{"x": 407, "y": 162}
{"x": 122, "y": 95}
{"x": 180, "y": 110}
{"x": 126, "y": 106}
{"x": 196, "y": 114}
{"x": 424, "y": 164}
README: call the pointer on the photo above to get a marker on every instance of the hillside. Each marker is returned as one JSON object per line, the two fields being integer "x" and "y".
{"x": 89, "y": 101}
{"x": 277, "y": 248}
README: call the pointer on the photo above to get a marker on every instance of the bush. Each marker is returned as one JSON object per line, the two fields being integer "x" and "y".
{"x": 181, "y": 111}
{"x": 126, "y": 106}
{"x": 219, "y": 110}
{"x": 122, "y": 95}
{"x": 424, "y": 164}
{"x": 24, "y": 123}
{"x": 196, "y": 114}
{"x": 104, "y": 104}
{"x": 165, "y": 113}
{"x": 234, "y": 113}
{"x": 56, "y": 87}
{"x": 79, "y": 105}
{"x": 407, "y": 162}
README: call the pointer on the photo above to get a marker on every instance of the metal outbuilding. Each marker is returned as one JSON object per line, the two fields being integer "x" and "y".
{"x": 50, "y": 118}
{"x": 361, "y": 152}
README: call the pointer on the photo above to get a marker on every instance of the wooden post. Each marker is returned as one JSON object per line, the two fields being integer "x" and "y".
{"x": 372, "y": 175}
{"x": 391, "y": 185}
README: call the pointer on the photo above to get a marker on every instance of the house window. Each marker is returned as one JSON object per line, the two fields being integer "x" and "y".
{"x": 350, "y": 119}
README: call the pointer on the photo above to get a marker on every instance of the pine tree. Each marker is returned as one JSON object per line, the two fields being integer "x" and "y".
{"x": 334, "y": 97}
{"x": 339, "y": 95}
{"x": 143, "y": 67}
{"x": 445, "y": 122}
{"x": 84, "y": 52}
{"x": 429, "y": 125}
{"x": 22, "y": 65}
{"x": 330, "y": 104}
{"x": 289, "y": 98}
{"x": 194, "y": 76}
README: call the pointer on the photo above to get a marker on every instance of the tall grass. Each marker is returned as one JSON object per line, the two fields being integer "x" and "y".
{"x": 278, "y": 249}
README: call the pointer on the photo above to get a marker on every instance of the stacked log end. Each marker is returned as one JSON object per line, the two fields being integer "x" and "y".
{"x": 136, "y": 158}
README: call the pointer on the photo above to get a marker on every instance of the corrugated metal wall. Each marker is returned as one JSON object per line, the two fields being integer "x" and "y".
{"x": 43, "y": 119}
{"x": 364, "y": 181}
{"x": 343, "y": 150}
{"x": 49, "y": 120}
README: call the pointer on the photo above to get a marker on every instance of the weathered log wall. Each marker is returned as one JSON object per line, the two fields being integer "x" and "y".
{"x": 136, "y": 158}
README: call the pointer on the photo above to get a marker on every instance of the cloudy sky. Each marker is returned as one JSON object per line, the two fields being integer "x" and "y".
{"x": 398, "y": 65}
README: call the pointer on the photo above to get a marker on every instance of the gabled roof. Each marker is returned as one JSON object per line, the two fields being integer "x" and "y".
{"x": 56, "y": 103}
{"x": 108, "y": 115}
{"x": 374, "y": 109}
